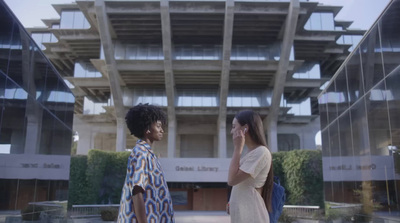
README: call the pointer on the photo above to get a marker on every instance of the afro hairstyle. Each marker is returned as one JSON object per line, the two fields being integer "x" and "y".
{"x": 139, "y": 118}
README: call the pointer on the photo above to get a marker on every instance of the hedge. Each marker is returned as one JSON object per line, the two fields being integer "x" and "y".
{"x": 98, "y": 177}
{"x": 78, "y": 186}
{"x": 303, "y": 177}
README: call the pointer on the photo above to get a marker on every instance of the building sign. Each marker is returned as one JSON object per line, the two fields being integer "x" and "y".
{"x": 195, "y": 169}
{"x": 24, "y": 166}
{"x": 359, "y": 168}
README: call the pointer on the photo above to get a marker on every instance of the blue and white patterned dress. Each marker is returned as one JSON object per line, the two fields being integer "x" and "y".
{"x": 144, "y": 170}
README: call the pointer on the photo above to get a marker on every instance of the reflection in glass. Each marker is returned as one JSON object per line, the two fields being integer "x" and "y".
{"x": 378, "y": 120}
{"x": 323, "y": 110}
{"x": 341, "y": 92}
{"x": 333, "y": 98}
{"x": 354, "y": 77}
{"x": 346, "y": 140}
{"x": 360, "y": 128}
{"x": 351, "y": 40}
{"x": 371, "y": 59}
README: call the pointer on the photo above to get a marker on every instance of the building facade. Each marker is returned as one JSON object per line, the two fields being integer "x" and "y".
{"x": 202, "y": 61}
{"x": 35, "y": 120}
{"x": 360, "y": 122}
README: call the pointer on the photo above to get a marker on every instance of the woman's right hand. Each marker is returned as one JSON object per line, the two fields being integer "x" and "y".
{"x": 238, "y": 139}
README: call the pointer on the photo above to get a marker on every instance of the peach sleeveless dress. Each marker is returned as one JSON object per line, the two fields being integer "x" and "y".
{"x": 246, "y": 204}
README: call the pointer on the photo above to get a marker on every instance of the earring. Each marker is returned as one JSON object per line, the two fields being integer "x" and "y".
{"x": 148, "y": 131}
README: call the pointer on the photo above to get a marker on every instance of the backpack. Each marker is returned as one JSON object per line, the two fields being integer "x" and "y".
{"x": 278, "y": 200}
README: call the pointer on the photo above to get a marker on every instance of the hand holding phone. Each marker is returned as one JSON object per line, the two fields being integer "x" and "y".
{"x": 245, "y": 130}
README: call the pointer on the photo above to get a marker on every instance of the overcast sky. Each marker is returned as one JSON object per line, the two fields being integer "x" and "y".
{"x": 362, "y": 12}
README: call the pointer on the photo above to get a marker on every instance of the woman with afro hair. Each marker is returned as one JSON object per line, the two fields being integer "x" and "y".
{"x": 145, "y": 195}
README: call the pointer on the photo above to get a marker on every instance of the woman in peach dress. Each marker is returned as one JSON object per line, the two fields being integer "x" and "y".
{"x": 250, "y": 175}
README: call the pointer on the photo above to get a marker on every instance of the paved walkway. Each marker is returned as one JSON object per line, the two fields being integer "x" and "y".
{"x": 201, "y": 217}
{"x": 180, "y": 217}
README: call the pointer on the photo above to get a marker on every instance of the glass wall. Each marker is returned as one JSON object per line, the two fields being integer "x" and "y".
{"x": 249, "y": 98}
{"x": 128, "y": 51}
{"x": 351, "y": 40}
{"x": 36, "y": 117}
{"x": 41, "y": 38}
{"x": 197, "y": 98}
{"x": 73, "y": 19}
{"x": 320, "y": 21}
{"x": 132, "y": 97}
{"x": 86, "y": 70}
{"x": 308, "y": 70}
{"x": 360, "y": 122}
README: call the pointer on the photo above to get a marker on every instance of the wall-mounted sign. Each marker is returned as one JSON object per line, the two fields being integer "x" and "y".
{"x": 358, "y": 168}
{"x": 195, "y": 169}
{"x": 24, "y": 166}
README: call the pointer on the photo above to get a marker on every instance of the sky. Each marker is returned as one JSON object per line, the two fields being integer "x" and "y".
{"x": 363, "y": 13}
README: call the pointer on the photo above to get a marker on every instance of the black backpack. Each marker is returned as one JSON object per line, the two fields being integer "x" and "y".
{"x": 278, "y": 200}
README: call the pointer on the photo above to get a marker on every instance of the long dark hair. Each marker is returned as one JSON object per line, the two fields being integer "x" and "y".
{"x": 256, "y": 133}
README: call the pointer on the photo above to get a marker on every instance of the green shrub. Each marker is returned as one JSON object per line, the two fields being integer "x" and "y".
{"x": 277, "y": 161}
{"x": 303, "y": 177}
{"x": 78, "y": 185}
{"x": 31, "y": 213}
{"x": 109, "y": 214}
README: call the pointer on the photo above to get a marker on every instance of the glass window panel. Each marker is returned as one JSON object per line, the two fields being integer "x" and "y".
{"x": 15, "y": 65}
{"x": 86, "y": 24}
{"x": 142, "y": 52}
{"x": 154, "y": 53}
{"x": 354, "y": 77}
{"x": 327, "y": 21}
{"x": 323, "y": 111}
{"x": 371, "y": 59}
{"x": 252, "y": 53}
{"x": 131, "y": 52}
{"x": 13, "y": 121}
{"x": 197, "y": 53}
{"x": 37, "y": 37}
{"x": 390, "y": 40}
{"x": 360, "y": 128}
{"x": 393, "y": 99}
{"x": 120, "y": 51}
{"x": 332, "y": 101}
{"x": 378, "y": 120}
{"x": 78, "y": 20}
{"x": 334, "y": 139}
{"x": 346, "y": 140}
{"x": 316, "y": 21}
{"x": 325, "y": 143}
{"x": 67, "y": 20}
{"x": 342, "y": 92}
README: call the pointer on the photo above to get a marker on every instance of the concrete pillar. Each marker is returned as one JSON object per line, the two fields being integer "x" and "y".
{"x": 169, "y": 76}
{"x": 113, "y": 75}
{"x": 224, "y": 81}
{"x": 121, "y": 135}
{"x": 171, "y": 138}
{"x": 33, "y": 135}
{"x": 272, "y": 136}
{"x": 281, "y": 73}
{"x": 222, "y": 138}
